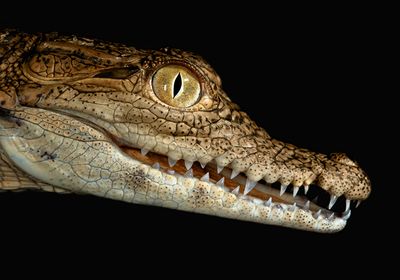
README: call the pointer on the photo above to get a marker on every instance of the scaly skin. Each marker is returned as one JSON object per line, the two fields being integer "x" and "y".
{"x": 74, "y": 110}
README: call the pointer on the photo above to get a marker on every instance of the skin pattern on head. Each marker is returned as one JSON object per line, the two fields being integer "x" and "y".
{"x": 154, "y": 127}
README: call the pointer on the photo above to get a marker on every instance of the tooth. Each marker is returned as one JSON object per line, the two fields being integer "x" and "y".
{"x": 144, "y": 151}
{"x": 315, "y": 200}
{"x": 188, "y": 164}
{"x": 171, "y": 162}
{"x": 156, "y": 166}
{"x": 347, "y": 205}
{"x": 203, "y": 164}
{"x": 234, "y": 173}
{"x": 295, "y": 190}
{"x": 283, "y": 189}
{"x": 331, "y": 216}
{"x": 307, "y": 205}
{"x": 172, "y": 172}
{"x": 189, "y": 173}
{"x": 268, "y": 203}
{"x": 221, "y": 182}
{"x": 316, "y": 215}
{"x": 358, "y": 203}
{"x": 306, "y": 189}
{"x": 346, "y": 215}
{"x": 236, "y": 190}
{"x": 249, "y": 186}
{"x": 292, "y": 207}
{"x": 332, "y": 201}
{"x": 205, "y": 177}
{"x": 219, "y": 169}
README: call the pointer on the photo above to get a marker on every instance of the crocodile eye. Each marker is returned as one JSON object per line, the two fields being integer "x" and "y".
{"x": 176, "y": 86}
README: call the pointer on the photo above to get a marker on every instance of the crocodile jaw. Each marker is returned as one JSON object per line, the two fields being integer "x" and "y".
{"x": 141, "y": 183}
{"x": 111, "y": 88}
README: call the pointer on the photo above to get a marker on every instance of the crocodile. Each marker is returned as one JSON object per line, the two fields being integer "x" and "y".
{"x": 155, "y": 127}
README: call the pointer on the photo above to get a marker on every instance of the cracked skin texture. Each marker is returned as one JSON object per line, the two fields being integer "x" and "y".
{"x": 69, "y": 104}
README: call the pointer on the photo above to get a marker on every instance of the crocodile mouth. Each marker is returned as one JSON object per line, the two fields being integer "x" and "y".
{"x": 320, "y": 203}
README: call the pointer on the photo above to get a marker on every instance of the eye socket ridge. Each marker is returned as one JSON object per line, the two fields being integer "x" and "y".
{"x": 176, "y": 85}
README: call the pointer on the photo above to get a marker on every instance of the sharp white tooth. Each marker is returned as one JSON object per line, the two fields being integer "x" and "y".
{"x": 331, "y": 216}
{"x": 293, "y": 207}
{"x": 188, "y": 164}
{"x": 189, "y": 173}
{"x": 295, "y": 191}
{"x": 306, "y": 189}
{"x": 346, "y": 215}
{"x": 203, "y": 164}
{"x": 234, "y": 173}
{"x": 268, "y": 203}
{"x": 219, "y": 169}
{"x": 358, "y": 203}
{"x": 249, "y": 186}
{"x": 144, "y": 151}
{"x": 221, "y": 182}
{"x": 205, "y": 177}
{"x": 332, "y": 201}
{"x": 171, "y": 162}
{"x": 315, "y": 200}
{"x": 316, "y": 215}
{"x": 156, "y": 166}
{"x": 283, "y": 189}
{"x": 307, "y": 205}
{"x": 236, "y": 190}
{"x": 347, "y": 205}
{"x": 172, "y": 172}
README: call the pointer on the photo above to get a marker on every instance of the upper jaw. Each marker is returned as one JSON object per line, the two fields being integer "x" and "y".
{"x": 261, "y": 195}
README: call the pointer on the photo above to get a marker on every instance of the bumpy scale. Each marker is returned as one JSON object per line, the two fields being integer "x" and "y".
{"x": 155, "y": 128}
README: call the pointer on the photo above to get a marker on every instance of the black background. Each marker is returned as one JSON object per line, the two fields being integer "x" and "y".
{"x": 321, "y": 74}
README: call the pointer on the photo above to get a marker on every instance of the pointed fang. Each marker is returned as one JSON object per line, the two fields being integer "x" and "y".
{"x": 219, "y": 169}
{"x": 306, "y": 189}
{"x": 307, "y": 205}
{"x": 358, "y": 203}
{"x": 347, "y": 205}
{"x": 171, "y": 162}
{"x": 295, "y": 191}
{"x": 203, "y": 164}
{"x": 156, "y": 166}
{"x": 316, "y": 215}
{"x": 206, "y": 177}
{"x": 283, "y": 189}
{"x": 236, "y": 190}
{"x": 234, "y": 173}
{"x": 332, "y": 201}
{"x": 144, "y": 151}
{"x": 268, "y": 203}
{"x": 188, "y": 164}
{"x": 346, "y": 215}
{"x": 189, "y": 173}
{"x": 249, "y": 186}
{"x": 221, "y": 182}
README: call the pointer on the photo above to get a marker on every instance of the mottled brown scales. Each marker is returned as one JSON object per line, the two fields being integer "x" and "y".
{"x": 69, "y": 93}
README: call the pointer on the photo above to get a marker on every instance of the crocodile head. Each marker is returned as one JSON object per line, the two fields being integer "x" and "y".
{"x": 167, "y": 109}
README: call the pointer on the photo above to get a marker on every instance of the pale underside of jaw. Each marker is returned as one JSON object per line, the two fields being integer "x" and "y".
{"x": 257, "y": 193}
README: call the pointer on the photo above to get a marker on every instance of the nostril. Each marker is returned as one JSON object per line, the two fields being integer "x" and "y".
{"x": 342, "y": 158}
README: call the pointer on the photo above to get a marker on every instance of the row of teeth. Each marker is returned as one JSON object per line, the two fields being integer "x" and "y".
{"x": 250, "y": 185}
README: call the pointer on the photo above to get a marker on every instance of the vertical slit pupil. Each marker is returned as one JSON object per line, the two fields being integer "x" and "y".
{"x": 177, "y": 84}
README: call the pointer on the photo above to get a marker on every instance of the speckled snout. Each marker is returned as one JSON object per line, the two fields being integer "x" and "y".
{"x": 342, "y": 176}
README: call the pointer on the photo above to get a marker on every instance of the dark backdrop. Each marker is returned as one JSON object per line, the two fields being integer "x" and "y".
{"x": 311, "y": 79}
